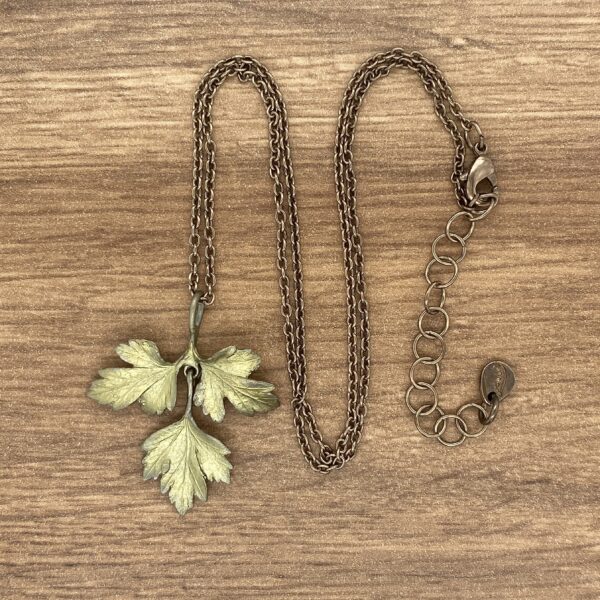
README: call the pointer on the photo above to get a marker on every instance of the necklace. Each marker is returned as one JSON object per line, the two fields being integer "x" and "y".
{"x": 185, "y": 457}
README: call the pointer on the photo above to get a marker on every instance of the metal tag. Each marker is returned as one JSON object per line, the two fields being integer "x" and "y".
{"x": 497, "y": 378}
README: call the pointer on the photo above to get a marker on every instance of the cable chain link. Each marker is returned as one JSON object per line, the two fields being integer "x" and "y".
{"x": 465, "y": 134}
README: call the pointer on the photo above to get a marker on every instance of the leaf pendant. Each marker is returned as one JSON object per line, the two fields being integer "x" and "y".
{"x": 184, "y": 457}
{"x": 181, "y": 454}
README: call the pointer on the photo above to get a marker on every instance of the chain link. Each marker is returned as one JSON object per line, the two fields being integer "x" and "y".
{"x": 465, "y": 134}
{"x": 438, "y": 428}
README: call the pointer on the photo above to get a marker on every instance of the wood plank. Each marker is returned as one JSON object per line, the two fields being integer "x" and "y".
{"x": 95, "y": 170}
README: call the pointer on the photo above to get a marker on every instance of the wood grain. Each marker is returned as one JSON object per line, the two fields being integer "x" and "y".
{"x": 95, "y": 167}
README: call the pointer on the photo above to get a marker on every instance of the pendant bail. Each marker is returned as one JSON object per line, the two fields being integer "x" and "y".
{"x": 196, "y": 314}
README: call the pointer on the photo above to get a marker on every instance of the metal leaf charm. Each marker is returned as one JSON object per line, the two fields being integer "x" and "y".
{"x": 182, "y": 455}
{"x": 185, "y": 457}
{"x": 152, "y": 380}
{"x": 224, "y": 375}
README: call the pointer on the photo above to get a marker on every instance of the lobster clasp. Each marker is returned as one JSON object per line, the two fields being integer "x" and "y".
{"x": 482, "y": 170}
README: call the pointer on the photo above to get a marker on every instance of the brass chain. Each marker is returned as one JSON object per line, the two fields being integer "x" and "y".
{"x": 465, "y": 133}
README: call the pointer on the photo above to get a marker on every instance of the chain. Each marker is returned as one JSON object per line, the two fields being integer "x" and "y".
{"x": 466, "y": 135}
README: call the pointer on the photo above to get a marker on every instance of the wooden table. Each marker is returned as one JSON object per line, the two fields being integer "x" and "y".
{"x": 95, "y": 163}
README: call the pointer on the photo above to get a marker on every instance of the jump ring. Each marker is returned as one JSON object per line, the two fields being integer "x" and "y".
{"x": 431, "y": 407}
{"x": 487, "y": 417}
{"x": 441, "y": 284}
{"x": 453, "y": 237}
{"x": 426, "y": 302}
{"x": 478, "y": 215}
{"x": 432, "y": 311}
{"x": 432, "y": 335}
{"x": 424, "y": 360}
{"x": 442, "y": 420}
{"x": 422, "y": 412}
{"x": 482, "y": 412}
{"x": 481, "y": 138}
{"x": 460, "y": 213}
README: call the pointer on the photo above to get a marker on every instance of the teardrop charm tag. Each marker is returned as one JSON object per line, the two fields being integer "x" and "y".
{"x": 497, "y": 381}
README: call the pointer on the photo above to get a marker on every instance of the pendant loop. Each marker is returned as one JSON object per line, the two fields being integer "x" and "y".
{"x": 191, "y": 375}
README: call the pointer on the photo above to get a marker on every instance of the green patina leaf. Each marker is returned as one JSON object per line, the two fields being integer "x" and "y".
{"x": 184, "y": 457}
{"x": 152, "y": 380}
{"x": 224, "y": 375}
